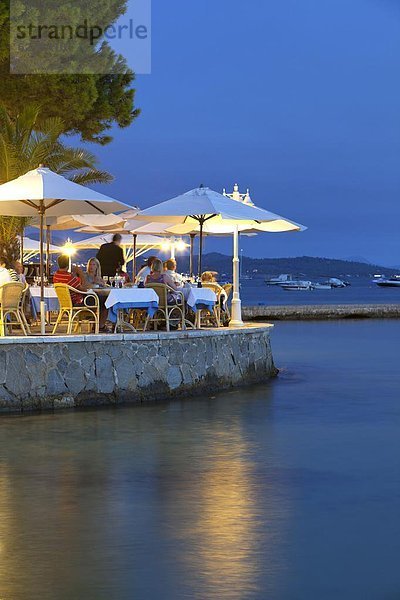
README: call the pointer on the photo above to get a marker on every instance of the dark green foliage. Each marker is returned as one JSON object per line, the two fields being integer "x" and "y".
{"x": 89, "y": 104}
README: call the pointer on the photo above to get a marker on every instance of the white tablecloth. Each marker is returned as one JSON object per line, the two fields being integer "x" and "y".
{"x": 198, "y": 298}
{"x": 50, "y": 299}
{"x": 49, "y": 292}
{"x": 124, "y": 299}
{"x": 131, "y": 296}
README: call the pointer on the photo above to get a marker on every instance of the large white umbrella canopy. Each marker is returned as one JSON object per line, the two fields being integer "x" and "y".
{"x": 45, "y": 193}
{"x": 127, "y": 241}
{"x": 94, "y": 222}
{"x": 203, "y": 207}
{"x": 202, "y": 204}
{"x": 137, "y": 228}
{"x": 134, "y": 247}
{"x": 42, "y": 189}
{"x": 196, "y": 208}
{"x": 32, "y": 247}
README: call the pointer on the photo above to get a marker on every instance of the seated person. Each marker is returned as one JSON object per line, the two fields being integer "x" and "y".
{"x": 5, "y": 275}
{"x": 17, "y": 270}
{"x": 145, "y": 270}
{"x": 210, "y": 277}
{"x": 170, "y": 269}
{"x": 158, "y": 275}
{"x": 76, "y": 280}
{"x": 93, "y": 277}
{"x": 93, "y": 273}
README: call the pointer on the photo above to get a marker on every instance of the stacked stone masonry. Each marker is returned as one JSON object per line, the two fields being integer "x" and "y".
{"x": 321, "y": 312}
{"x": 48, "y": 373}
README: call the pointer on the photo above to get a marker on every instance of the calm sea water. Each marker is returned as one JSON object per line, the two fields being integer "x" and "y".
{"x": 285, "y": 491}
{"x": 361, "y": 291}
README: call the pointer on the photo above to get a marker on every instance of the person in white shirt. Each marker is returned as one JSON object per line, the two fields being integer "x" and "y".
{"x": 170, "y": 269}
{"x": 17, "y": 270}
{"x": 5, "y": 276}
{"x": 145, "y": 270}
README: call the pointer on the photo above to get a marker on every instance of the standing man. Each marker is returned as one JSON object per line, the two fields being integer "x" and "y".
{"x": 111, "y": 256}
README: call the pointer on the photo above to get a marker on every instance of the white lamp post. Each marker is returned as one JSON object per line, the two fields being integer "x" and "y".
{"x": 236, "y": 309}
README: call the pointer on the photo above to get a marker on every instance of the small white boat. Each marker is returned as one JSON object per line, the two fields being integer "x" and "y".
{"x": 322, "y": 286}
{"x": 391, "y": 282}
{"x": 284, "y": 278}
{"x": 337, "y": 283}
{"x": 296, "y": 286}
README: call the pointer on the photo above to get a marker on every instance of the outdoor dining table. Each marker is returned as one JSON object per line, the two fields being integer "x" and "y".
{"x": 50, "y": 299}
{"x": 199, "y": 299}
{"x": 121, "y": 299}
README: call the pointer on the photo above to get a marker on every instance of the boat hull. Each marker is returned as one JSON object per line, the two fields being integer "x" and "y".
{"x": 388, "y": 283}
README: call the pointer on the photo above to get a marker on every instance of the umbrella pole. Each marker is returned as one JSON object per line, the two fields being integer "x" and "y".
{"x": 134, "y": 257}
{"x": 236, "y": 309}
{"x": 21, "y": 248}
{"x": 48, "y": 252}
{"x": 41, "y": 271}
{"x": 200, "y": 263}
{"x": 191, "y": 263}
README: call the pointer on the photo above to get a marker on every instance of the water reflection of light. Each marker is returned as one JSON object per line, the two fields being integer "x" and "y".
{"x": 230, "y": 519}
{"x": 6, "y": 526}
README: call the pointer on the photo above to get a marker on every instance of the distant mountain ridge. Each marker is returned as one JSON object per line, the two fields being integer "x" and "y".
{"x": 309, "y": 266}
{"x": 304, "y": 266}
{"x": 358, "y": 259}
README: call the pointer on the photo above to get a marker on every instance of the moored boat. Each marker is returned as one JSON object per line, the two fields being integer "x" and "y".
{"x": 295, "y": 286}
{"x": 390, "y": 282}
{"x": 322, "y": 286}
{"x": 281, "y": 279}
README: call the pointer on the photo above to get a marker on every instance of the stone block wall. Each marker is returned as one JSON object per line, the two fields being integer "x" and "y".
{"x": 321, "y": 312}
{"x": 58, "y": 372}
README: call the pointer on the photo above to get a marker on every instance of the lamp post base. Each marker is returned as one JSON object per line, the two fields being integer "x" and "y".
{"x": 236, "y": 314}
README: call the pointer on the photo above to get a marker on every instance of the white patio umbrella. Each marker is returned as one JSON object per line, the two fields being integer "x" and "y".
{"x": 137, "y": 229}
{"x": 32, "y": 248}
{"x": 201, "y": 207}
{"x": 107, "y": 222}
{"x": 99, "y": 222}
{"x": 43, "y": 193}
{"x": 143, "y": 242}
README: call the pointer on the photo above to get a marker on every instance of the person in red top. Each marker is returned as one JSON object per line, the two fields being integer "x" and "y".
{"x": 62, "y": 275}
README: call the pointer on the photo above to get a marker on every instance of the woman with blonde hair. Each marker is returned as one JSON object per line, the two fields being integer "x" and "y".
{"x": 93, "y": 273}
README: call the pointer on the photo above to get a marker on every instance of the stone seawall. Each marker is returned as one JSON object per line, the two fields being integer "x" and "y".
{"x": 300, "y": 313}
{"x": 58, "y": 372}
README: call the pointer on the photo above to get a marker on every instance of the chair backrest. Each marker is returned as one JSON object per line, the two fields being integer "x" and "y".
{"x": 63, "y": 295}
{"x": 24, "y": 293}
{"x": 228, "y": 287}
{"x": 10, "y": 295}
{"x": 215, "y": 287}
{"x": 162, "y": 292}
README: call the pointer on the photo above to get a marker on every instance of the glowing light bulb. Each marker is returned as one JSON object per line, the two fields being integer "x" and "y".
{"x": 180, "y": 245}
{"x": 68, "y": 248}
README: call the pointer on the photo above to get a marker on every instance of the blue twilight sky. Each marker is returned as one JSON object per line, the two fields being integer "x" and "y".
{"x": 297, "y": 99}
